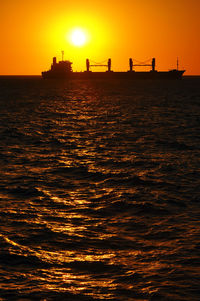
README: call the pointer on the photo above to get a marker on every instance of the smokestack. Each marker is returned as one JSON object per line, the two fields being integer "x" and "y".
{"x": 54, "y": 61}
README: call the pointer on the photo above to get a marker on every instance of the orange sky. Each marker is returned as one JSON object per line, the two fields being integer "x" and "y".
{"x": 32, "y": 32}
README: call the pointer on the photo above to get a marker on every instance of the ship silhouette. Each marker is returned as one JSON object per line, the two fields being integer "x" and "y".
{"x": 63, "y": 70}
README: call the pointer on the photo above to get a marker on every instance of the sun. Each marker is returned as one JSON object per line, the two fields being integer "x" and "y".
{"x": 78, "y": 37}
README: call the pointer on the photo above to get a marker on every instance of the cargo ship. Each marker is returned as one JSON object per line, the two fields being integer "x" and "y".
{"x": 63, "y": 70}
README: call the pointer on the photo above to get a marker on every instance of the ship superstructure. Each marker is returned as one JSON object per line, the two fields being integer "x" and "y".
{"x": 62, "y": 69}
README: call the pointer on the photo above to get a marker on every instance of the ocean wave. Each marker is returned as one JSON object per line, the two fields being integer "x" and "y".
{"x": 99, "y": 190}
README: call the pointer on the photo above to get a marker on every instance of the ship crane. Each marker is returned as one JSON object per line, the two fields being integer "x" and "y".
{"x": 152, "y": 65}
{"x": 88, "y": 65}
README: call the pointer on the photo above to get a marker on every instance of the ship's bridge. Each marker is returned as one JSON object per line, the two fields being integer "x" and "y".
{"x": 61, "y": 65}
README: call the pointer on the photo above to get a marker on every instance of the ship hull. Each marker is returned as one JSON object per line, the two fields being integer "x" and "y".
{"x": 132, "y": 75}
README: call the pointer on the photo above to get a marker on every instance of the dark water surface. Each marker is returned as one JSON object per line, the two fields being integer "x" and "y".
{"x": 99, "y": 190}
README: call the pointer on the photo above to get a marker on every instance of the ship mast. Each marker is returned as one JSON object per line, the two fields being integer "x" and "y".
{"x": 177, "y": 64}
{"x": 62, "y": 54}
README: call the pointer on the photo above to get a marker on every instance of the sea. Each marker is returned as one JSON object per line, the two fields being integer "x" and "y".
{"x": 99, "y": 189}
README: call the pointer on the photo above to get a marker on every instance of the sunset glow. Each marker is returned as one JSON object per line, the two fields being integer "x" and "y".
{"x": 78, "y": 37}
{"x": 34, "y": 32}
